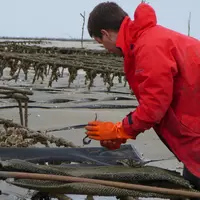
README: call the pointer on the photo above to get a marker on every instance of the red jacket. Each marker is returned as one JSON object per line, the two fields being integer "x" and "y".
{"x": 163, "y": 69}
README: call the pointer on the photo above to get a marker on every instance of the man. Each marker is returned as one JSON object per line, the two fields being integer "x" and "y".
{"x": 163, "y": 69}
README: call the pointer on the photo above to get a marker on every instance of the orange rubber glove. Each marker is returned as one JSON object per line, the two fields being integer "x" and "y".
{"x": 99, "y": 130}
{"x": 112, "y": 144}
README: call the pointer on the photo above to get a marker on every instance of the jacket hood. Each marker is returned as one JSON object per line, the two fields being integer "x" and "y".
{"x": 144, "y": 18}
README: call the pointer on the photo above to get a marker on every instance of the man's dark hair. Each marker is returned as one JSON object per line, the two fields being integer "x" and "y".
{"x": 108, "y": 16}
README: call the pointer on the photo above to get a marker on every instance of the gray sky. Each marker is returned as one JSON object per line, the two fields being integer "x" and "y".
{"x": 61, "y": 18}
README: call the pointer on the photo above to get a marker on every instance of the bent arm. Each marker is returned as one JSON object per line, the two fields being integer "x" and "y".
{"x": 155, "y": 69}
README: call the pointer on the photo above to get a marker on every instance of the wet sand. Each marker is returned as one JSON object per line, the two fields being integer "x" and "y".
{"x": 148, "y": 144}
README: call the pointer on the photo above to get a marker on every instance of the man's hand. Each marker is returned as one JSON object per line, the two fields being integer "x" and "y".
{"x": 99, "y": 130}
{"x": 112, "y": 144}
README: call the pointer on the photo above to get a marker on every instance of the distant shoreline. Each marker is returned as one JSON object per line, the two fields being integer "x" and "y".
{"x": 47, "y": 38}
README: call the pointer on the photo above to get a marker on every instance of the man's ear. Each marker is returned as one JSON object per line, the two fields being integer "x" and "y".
{"x": 104, "y": 32}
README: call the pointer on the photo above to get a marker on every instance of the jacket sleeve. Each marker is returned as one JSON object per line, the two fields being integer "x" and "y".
{"x": 155, "y": 68}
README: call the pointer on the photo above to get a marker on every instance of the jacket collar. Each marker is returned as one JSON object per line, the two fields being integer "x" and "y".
{"x": 129, "y": 32}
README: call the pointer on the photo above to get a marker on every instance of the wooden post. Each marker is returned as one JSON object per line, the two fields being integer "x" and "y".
{"x": 83, "y": 16}
{"x": 189, "y": 23}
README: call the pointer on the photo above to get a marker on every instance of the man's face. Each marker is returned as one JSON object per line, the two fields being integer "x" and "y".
{"x": 108, "y": 40}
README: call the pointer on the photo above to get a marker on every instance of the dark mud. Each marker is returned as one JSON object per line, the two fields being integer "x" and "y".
{"x": 83, "y": 100}
{"x": 94, "y": 106}
{"x": 108, "y": 92}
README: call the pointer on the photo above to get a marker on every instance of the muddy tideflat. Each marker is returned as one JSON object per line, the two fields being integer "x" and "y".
{"x": 60, "y": 96}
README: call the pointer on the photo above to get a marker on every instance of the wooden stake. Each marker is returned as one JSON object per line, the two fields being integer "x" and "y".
{"x": 189, "y": 24}
{"x": 83, "y": 16}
